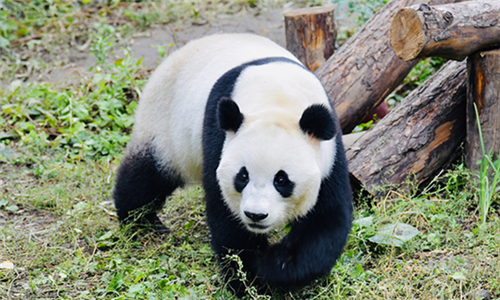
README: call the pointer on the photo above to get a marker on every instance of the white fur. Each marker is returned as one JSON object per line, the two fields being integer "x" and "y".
{"x": 172, "y": 106}
{"x": 272, "y": 99}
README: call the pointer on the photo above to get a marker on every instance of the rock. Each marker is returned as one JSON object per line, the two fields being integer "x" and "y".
{"x": 481, "y": 294}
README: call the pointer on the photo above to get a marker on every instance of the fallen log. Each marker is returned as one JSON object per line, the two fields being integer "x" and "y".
{"x": 310, "y": 34}
{"x": 451, "y": 31}
{"x": 483, "y": 89}
{"x": 361, "y": 73}
{"x": 417, "y": 137}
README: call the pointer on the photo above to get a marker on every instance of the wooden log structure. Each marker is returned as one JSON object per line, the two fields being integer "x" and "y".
{"x": 362, "y": 73}
{"x": 311, "y": 34}
{"x": 417, "y": 137}
{"x": 483, "y": 89}
{"x": 451, "y": 31}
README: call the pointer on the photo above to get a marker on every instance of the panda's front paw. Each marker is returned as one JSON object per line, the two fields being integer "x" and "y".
{"x": 280, "y": 267}
{"x": 161, "y": 229}
{"x": 156, "y": 224}
{"x": 278, "y": 257}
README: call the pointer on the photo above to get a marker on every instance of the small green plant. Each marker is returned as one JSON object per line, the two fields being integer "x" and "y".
{"x": 364, "y": 9}
{"x": 487, "y": 188}
{"x": 161, "y": 49}
{"x": 418, "y": 75}
{"x": 103, "y": 41}
{"x": 10, "y": 29}
{"x": 241, "y": 276}
{"x": 90, "y": 121}
{"x": 378, "y": 231}
{"x": 364, "y": 126}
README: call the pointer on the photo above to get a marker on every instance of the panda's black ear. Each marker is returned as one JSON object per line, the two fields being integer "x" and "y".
{"x": 229, "y": 115}
{"x": 318, "y": 122}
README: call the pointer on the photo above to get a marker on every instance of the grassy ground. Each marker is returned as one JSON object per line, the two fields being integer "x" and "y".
{"x": 60, "y": 145}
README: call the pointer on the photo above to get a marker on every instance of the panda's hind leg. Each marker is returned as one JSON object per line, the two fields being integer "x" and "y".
{"x": 142, "y": 185}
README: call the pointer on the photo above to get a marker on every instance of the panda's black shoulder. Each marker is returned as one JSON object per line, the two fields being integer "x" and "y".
{"x": 336, "y": 187}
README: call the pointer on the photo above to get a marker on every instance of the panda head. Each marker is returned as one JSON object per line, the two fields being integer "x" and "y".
{"x": 272, "y": 164}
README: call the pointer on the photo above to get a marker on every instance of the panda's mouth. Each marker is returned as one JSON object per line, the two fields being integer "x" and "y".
{"x": 258, "y": 228}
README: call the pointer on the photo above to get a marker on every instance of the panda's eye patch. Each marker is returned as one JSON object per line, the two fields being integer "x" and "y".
{"x": 241, "y": 180}
{"x": 283, "y": 184}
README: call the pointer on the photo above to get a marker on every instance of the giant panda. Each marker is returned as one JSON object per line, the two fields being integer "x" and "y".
{"x": 245, "y": 117}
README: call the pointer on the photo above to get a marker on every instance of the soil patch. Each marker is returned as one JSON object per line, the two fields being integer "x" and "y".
{"x": 268, "y": 23}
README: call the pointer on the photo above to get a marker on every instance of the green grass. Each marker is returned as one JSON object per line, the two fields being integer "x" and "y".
{"x": 488, "y": 178}
{"x": 60, "y": 145}
{"x": 64, "y": 241}
{"x": 360, "y": 10}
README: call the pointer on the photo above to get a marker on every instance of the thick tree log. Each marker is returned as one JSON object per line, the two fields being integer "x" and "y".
{"x": 311, "y": 34}
{"x": 483, "y": 89}
{"x": 417, "y": 137}
{"x": 362, "y": 72}
{"x": 451, "y": 31}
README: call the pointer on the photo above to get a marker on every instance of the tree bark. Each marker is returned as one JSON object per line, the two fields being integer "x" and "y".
{"x": 451, "y": 31}
{"x": 483, "y": 89}
{"x": 311, "y": 34}
{"x": 417, "y": 137}
{"x": 362, "y": 72}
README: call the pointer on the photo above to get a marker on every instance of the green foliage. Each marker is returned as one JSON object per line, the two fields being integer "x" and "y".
{"x": 21, "y": 18}
{"x": 78, "y": 251}
{"x": 424, "y": 70}
{"x": 487, "y": 188}
{"x": 364, "y": 126}
{"x": 90, "y": 121}
{"x": 161, "y": 49}
{"x": 362, "y": 10}
{"x": 394, "y": 234}
{"x": 418, "y": 75}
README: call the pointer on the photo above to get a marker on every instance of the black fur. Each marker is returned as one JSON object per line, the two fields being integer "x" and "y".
{"x": 142, "y": 184}
{"x": 229, "y": 115}
{"x": 318, "y": 122}
{"x": 283, "y": 184}
{"x": 141, "y": 188}
{"x": 315, "y": 241}
{"x": 311, "y": 248}
{"x": 241, "y": 180}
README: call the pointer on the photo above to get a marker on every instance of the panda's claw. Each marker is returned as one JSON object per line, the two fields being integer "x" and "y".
{"x": 161, "y": 229}
{"x": 158, "y": 226}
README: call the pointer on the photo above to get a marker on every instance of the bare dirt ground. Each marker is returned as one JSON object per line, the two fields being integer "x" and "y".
{"x": 268, "y": 23}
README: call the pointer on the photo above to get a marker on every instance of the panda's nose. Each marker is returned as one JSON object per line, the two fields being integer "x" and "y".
{"x": 255, "y": 217}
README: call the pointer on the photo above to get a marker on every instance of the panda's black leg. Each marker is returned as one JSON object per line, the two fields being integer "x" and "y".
{"x": 142, "y": 185}
{"x": 228, "y": 238}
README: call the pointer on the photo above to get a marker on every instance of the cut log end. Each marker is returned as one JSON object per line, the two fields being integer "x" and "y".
{"x": 407, "y": 34}
{"x": 316, "y": 10}
{"x": 452, "y": 31}
{"x": 311, "y": 34}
